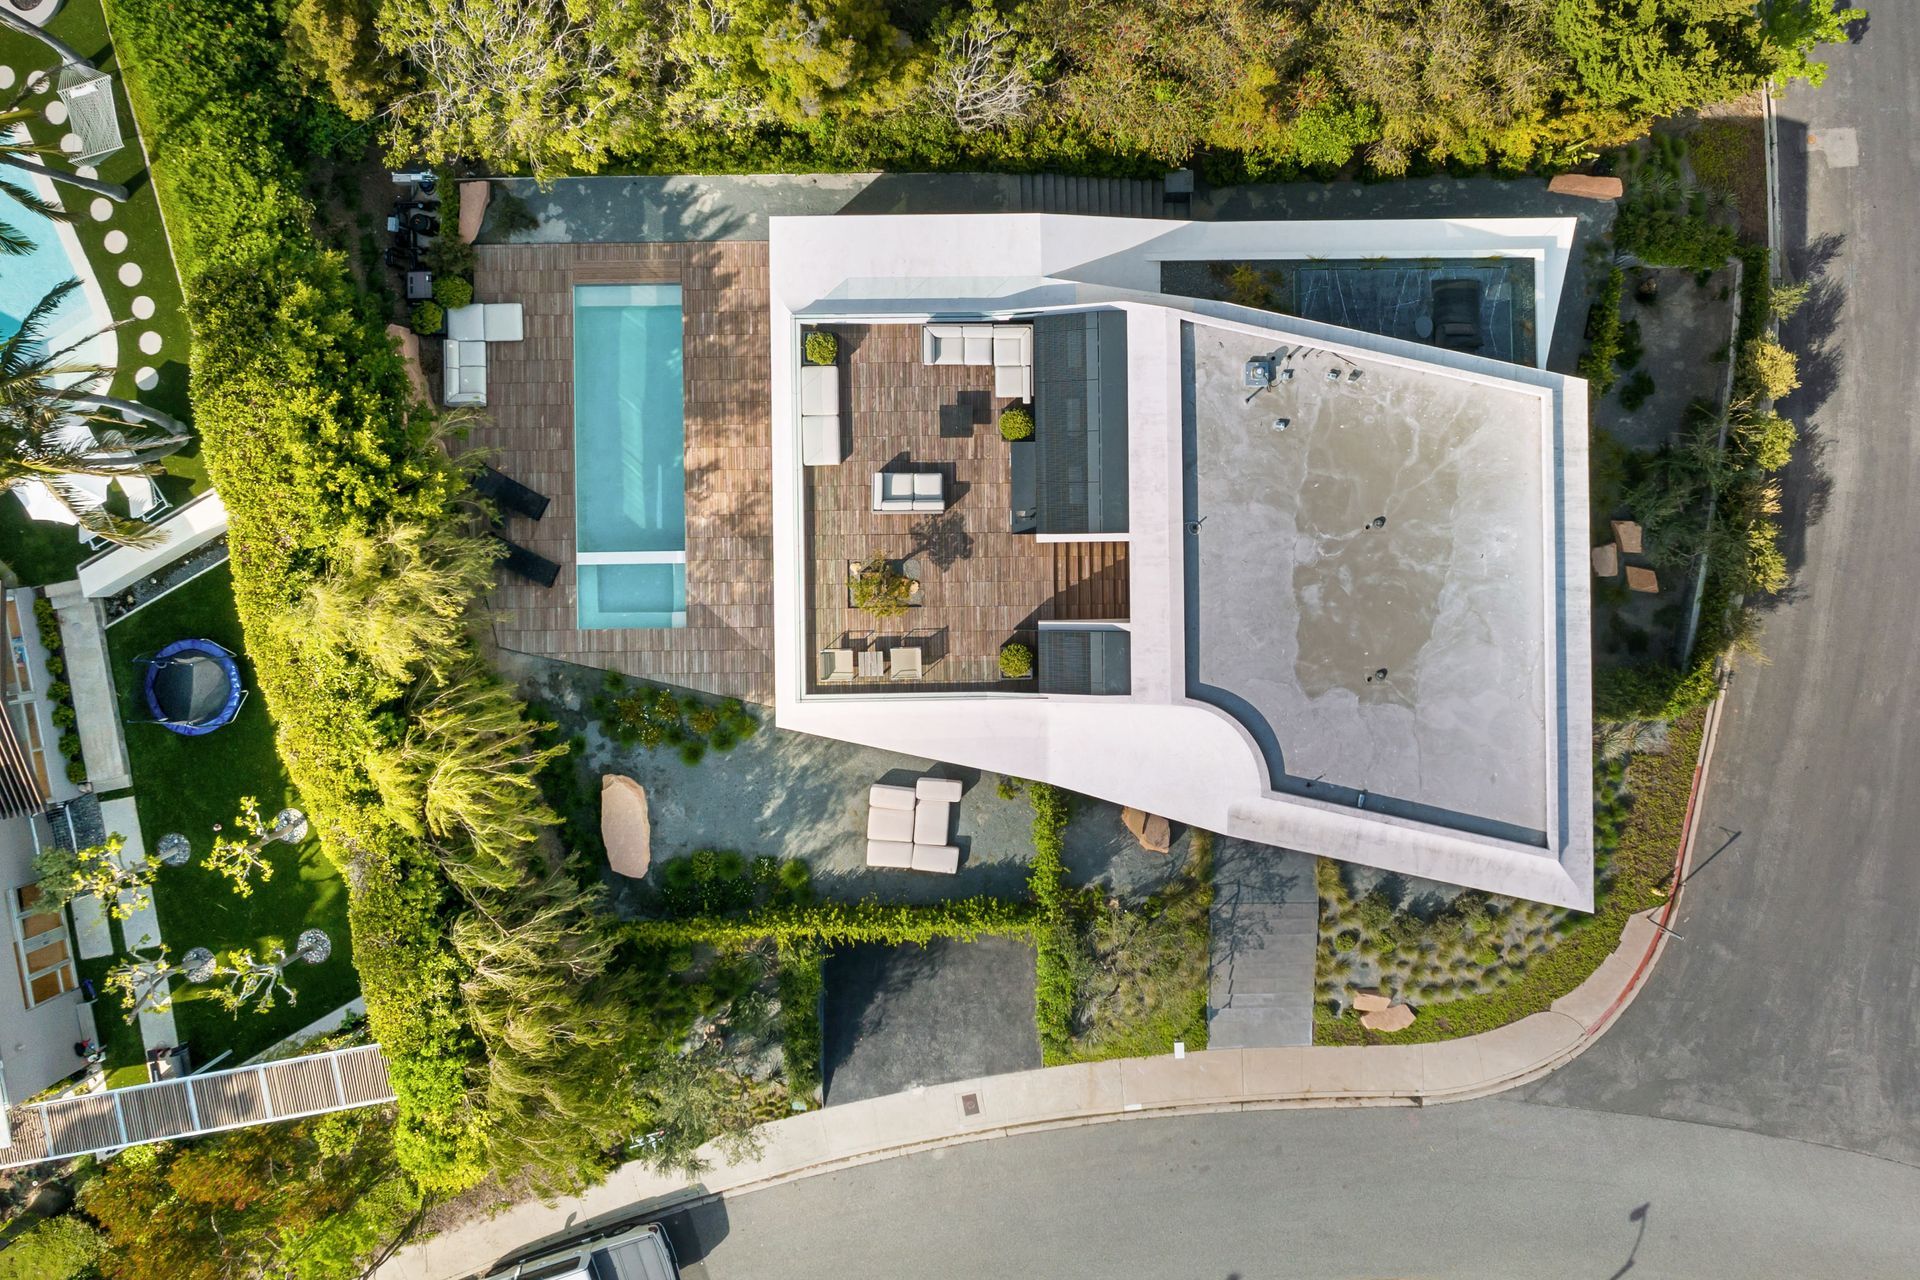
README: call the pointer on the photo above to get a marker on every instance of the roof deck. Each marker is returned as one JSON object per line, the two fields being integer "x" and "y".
{"x": 979, "y": 583}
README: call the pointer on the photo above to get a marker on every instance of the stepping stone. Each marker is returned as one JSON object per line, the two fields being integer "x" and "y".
{"x": 150, "y": 343}
{"x": 1639, "y": 579}
{"x": 8, "y": 77}
{"x": 1606, "y": 561}
{"x": 38, "y": 82}
{"x": 142, "y": 307}
{"x": 1630, "y": 537}
{"x": 1369, "y": 1000}
{"x": 1586, "y": 186}
{"x": 1394, "y": 1018}
{"x": 116, "y": 241}
{"x": 101, "y": 208}
{"x": 146, "y": 377}
{"x": 86, "y": 171}
{"x": 130, "y": 273}
{"x": 56, "y": 112}
{"x": 624, "y": 825}
{"x": 71, "y": 144}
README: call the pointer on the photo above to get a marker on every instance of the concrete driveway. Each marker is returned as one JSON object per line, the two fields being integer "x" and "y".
{"x": 904, "y": 1016}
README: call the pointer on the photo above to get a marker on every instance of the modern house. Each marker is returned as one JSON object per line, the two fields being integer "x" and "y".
{"x": 1295, "y": 548}
{"x": 1286, "y": 580}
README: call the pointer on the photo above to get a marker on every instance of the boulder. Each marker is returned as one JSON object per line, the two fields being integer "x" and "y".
{"x": 624, "y": 825}
{"x": 1154, "y": 833}
{"x": 473, "y": 208}
{"x": 1588, "y": 185}
{"x": 1369, "y": 1000}
{"x": 1396, "y": 1017}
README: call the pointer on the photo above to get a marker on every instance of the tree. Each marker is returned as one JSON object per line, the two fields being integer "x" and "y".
{"x": 63, "y": 1248}
{"x": 51, "y": 427}
{"x": 259, "y": 982}
{"x": 333, "y": 43}
{"x": 241, "y": 859}
{"x": 1651, "y": 58}
{"x": 880, "y": 589}
{"x": 798, "y": 61}
{"x": 122, "y": 885}
{"x": 145, "y": 983}
{"x": 553, "y": 86}
{"x": 1768, "y": 371}
{"x": 985, "y": 74}
{"x": 1793, "y": 27}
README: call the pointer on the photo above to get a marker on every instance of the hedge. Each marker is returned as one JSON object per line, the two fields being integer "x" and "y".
{"x": 1053, "y": 926}
{"x": 1603, "y": 344}
{"x": 841, "y": 923}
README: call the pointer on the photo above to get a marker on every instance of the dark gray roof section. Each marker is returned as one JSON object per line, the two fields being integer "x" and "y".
{"x": 1080, "y": 421}
{"x": 1074, "y": 660}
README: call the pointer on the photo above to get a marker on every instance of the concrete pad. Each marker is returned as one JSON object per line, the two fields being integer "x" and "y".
{"x": 1451, "y": 1064}
{"x": 1526, "y": 1044}
{"x": 1840, "y": 146}
{"x": 1200, "y": 1077}
{"x": 92, "y": 935}
{"x": 1393, "y": 1069}
{"x": 89, "y": 674}
{"x": 1275, "y": 1073}
{"x": 1025, "y": 1097}
{"x": 141, "y": 928}
{"x": 1589, "y": 1002}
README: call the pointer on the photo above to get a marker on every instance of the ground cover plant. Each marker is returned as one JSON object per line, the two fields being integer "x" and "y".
{"x": 1483, "y": 961}
{"x": 647, "y": 715}
{"x": 195, "y": 786}
{"x": 1244, "y": 87}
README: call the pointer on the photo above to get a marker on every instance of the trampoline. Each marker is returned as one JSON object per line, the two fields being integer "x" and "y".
{"x": 193, "y": 687}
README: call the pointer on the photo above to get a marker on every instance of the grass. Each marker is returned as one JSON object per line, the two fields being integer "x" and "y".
{"x": 187, "y": 785}
{"x": 37, "y": 552}
{"x": 1633, "y": 880}
{"x": 1141, "y": 972}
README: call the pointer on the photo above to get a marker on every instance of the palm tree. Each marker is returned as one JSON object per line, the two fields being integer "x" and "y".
{"x": 53, "y": 427}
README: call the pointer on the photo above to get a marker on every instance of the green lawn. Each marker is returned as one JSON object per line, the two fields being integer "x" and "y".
{"x": 40, "y": 553}
{"x": 187, "y": 785}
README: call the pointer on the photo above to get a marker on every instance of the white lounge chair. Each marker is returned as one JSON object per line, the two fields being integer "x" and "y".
{"x": 904, "y": 662}
{"x": 909, "y": 492}
{"x": 836, "y": 666}
{"x": 465, "y": 367}
{"x": 1013, "y": 361}
{"x": 820, "y": 416}
{"x": 956, "y": 344}
{"x": 486, "y": 322}
{"x": 934, "y": 799}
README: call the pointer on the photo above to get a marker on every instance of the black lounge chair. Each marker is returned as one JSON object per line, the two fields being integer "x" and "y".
{"x": 509, "y": 494}
{"x": 524, "y": 563}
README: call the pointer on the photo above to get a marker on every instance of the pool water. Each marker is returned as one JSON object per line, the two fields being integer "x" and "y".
{"x": 29, "y": 277}
{"x": 629, "y": 451}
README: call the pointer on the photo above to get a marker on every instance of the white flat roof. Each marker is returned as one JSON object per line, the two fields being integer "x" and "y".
{"x": 1470, "y": 761}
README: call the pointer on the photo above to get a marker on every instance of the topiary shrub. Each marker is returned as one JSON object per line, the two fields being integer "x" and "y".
{"x": 452, "y": 292}
{"x": 1016, "y": 661}
{"x": 428, "y": 317}
{"x": 822, "y": 348}
{"x": 76, "y": 772}
{"x": 1016, "y": 423}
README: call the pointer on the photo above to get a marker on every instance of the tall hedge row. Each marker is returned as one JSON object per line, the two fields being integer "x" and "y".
{"x": 312, "y": 437}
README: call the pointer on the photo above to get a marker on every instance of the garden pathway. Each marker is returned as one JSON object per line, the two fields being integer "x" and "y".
{"x": 142, "y": 927}
{"x": 1265, "y": 926}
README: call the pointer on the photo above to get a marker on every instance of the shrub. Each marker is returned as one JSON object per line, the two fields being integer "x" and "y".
{"x": 1768, "y": 371}
{"x": 822, "y": 347}
{"x": 70, "y": 745}
{"x": 1016, "y": 661}
{"x": 452, "y": 292}
{"x": 1637, "y": 391}
{"x": 76, "y": 772}
{"x": 62, "y": 1248}
{"x": 1054, "y": 942}
{"x": 64, "y": 717}
{"x": 59, "y": 690}
{"x": 802, "y": 979}
{"x": 1603, "y": 334}
{"x": 56, "y": 667}
{"x": 428, "y": 317}
{"x": 1016, "y": 423}
{"x": 880, "y": 589}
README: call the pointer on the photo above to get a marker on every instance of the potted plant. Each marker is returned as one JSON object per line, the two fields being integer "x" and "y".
{"x": 880, "y": 589}
{"x": 1016, "y": 661}
{"x": 1016, "y": 423}
{"x": 821, "y": 347}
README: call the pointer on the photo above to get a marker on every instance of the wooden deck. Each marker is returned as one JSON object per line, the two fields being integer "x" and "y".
{"x": 725, "y": 647}
{"x": 981, "y": 585}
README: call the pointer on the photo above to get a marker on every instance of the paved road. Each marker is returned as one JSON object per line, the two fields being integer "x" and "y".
{"x": 1793, "y": 1005}
{"x": 1483, "y": 1192}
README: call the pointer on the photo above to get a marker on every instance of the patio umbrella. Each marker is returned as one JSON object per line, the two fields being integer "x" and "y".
{"x": 41, "y": 504}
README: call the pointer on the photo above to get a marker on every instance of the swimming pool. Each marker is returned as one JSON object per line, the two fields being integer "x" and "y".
{"x": 629, "y": 456}
{"x": 32, "y": 275}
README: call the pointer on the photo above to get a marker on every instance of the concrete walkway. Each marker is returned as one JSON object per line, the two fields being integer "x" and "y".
{"x": 1056, "y": 1097}
{"x": 83, "y": 634}
{"x": 141, "y": 928}
{"x": 1265, "y": 930}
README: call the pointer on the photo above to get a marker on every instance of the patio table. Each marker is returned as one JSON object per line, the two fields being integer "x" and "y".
{"x": 873, "y": 662}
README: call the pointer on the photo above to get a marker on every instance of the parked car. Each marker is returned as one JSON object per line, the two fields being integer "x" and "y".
{"x": 643, "y": 1253}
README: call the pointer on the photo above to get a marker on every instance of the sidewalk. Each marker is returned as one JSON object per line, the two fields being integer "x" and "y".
{"x": 1059, "y": 1097}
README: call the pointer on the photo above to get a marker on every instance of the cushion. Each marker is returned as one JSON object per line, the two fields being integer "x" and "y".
{"x": 942, "y": 858}
{"x": 503, "y": 322}
{"x": 467, "y": 324}
{"x": 1013, "y": 382}
{"x": 976, "y": 344}
{"x": 882, "y": 796}
{"x": 889, "y": 853}
{"x": 947, "y": 789}
{"x": 928, "y": 484}
{"x": 820, "y": 441}
{"x": 940, "y": 344}
{"x": 930, "y": 821}
{"x": 1012, "y": 344}
{"x": 890, "y": 824}
{"x": 819, "y": 389}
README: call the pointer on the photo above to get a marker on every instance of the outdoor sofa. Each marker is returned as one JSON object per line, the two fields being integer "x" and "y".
{"x": 1007, "y": 347}
{"x": 909, "y": 492}
{"x": 907, "y": 826}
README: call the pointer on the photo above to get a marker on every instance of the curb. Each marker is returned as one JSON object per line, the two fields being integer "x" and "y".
{"x": 1055, "y": 1098}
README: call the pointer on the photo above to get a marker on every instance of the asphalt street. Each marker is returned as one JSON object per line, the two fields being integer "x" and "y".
{"x": 1492, "y": 1189}
{"x": 1792, "y": 1004}
{"x": 1756, "y": 1112}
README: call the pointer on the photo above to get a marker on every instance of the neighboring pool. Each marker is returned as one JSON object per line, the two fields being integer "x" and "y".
{"x": 629, "y": 456}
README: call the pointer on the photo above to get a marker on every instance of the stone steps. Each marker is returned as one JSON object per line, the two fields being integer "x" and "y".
{"x": 1265, "y": 934}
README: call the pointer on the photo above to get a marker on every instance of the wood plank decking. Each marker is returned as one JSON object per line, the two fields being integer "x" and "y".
{"x": 1090, "y": 581}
